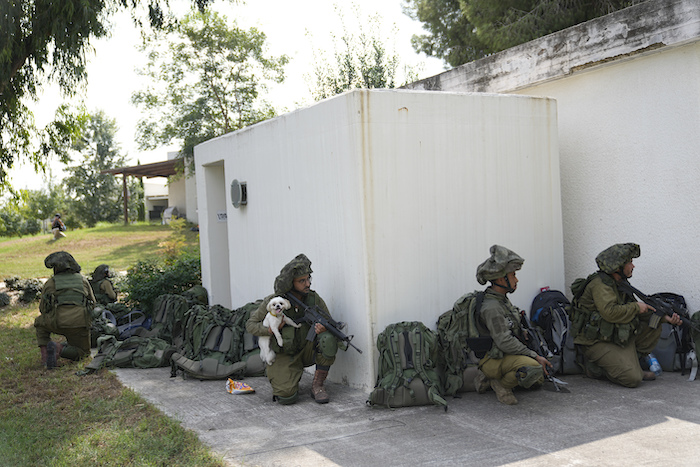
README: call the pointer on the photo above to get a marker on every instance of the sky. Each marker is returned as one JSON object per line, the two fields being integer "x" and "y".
{"x": 295, "y": 29}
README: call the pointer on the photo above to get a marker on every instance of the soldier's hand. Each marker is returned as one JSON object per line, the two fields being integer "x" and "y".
{"x": 319, "y": 328}
{"x": 674, "y": 320}
{"x": 545, "y": 364}
{"x": 643, "y": 308}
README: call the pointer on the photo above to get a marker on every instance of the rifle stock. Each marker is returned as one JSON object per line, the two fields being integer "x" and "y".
{"x": 313, "y": 315}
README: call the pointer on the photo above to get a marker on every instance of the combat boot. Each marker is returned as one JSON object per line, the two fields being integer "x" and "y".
{"x": 504, "y": 395}
{"x": 318, "y": 392}
{"x": 481, "y": 382}
{"x": 42, "y": 349}
{"x": 53, "y": 353}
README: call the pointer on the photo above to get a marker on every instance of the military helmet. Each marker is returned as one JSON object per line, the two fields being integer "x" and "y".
{"x": 612, "y": 259}
{"x": 101, "y": 272}
{"x": 299, "y": 266}
{"x": 501, "y": 262}
{"x": 61, "y": 261}
{"x": 197, "y": 294}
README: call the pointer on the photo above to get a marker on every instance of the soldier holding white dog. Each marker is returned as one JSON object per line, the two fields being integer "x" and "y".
{"x": 297, "y": 352}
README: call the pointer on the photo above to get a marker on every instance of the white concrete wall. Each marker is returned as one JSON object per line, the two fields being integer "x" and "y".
{"x": 191, "y": 199}
{"x": 628, "y": 98}
{"x": 395, "y": 196}
{"x": 630, "y": 166}
{"x": 177, "y": 195}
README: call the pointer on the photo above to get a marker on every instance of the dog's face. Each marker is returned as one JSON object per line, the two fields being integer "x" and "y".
{"x": 278, "y": 305}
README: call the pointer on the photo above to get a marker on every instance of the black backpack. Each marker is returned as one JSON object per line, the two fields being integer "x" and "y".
{"x": 549, "y": 313}
{"x": 676, "y": 341}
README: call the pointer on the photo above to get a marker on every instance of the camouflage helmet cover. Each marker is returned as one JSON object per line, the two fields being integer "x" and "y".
{"x": 101, "y": 272}
{"x": 612, "y": 259}
{"x": 61, "y": 261}
{"x": 197, "y": 294}
{"x": 299, "y": 266}
{"x": 501, "y": 262}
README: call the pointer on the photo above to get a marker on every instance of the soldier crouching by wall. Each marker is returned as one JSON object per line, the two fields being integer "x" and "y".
{"x": 66, "y": 302}
{"x": 509, "y": 362}
{"x": 613, "y": 330}
{"x": 296, "y": 352}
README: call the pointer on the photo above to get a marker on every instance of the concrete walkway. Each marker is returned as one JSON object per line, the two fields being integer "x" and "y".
{"x": 596, "y": 424}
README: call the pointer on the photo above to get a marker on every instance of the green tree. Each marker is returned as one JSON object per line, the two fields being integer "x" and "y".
{"x": 360, "y": 61}
{"x": 42, "y": 204}
{"x": 96, "y": 196}
{"x": 460, "y": 31}
{"x": 26, "y": 212}
{"x": 44, "y": 41}
{"x": 207, "y": 77}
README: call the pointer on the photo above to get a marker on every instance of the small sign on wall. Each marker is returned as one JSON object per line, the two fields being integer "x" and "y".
{"x": 221, "y": 216}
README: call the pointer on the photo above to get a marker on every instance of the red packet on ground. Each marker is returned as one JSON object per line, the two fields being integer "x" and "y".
{"x": 237, "y": 387}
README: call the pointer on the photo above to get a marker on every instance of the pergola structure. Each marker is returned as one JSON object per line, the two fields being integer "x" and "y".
{"x": 156, "y": 169}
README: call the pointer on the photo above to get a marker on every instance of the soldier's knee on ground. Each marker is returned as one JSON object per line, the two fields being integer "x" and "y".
{"x": 72, "y": 353}
{"x": 627, "y": 378}
{"x": 529, "y": 376}
{"x": 327, "y": 344}
{"x": 289, "y": 400}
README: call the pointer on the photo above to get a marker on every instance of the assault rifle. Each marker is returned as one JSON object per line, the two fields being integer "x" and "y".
{"x": 314, "y": 314}
{"x": 661, "y": 306}
{"x": 535, "y": 344}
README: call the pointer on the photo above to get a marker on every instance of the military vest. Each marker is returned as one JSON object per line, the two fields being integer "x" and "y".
{"x": 589, "y": 325}
{"x": 69, "y": 302}
{"x": 100, "y": 297}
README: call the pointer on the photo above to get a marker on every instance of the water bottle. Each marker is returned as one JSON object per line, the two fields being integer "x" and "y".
{"x": 654, "y": 364}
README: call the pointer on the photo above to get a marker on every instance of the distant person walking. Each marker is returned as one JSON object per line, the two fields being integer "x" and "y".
{"x": 58, "y": 227}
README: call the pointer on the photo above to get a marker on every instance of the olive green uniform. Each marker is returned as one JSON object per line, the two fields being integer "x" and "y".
{"x": 614, "y": 335}
{"x": 71, "y": 320}
{"x": 296, "y": 353}
{"x": 104, "y": 291}
{"x": 509, "y": 361}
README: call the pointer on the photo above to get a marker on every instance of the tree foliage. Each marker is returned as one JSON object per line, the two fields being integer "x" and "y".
{"x": 461, "y": 31}
{"x": 206, "y": 81}
{"x": 44, "y": 41}
{"x": 360, "y": 61}
{"x": 96, "y": 196}
{"x": 23, "y": 214}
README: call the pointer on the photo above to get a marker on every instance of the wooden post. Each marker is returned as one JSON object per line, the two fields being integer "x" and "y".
{"x": 126, "y": 200}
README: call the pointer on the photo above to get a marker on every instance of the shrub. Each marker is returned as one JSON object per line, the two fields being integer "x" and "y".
{"x": 32, "y": 227}
{"x": 147, "y": 280}
{"x": 30, "y": 289}
{"x": 11, "y": 282}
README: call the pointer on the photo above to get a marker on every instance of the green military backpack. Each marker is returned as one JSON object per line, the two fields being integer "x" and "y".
{"x": 407, "y": 374}
{"x": 168, "y": 315}
{"x": 458, "y": 330}
{"x": 212, "y": 344}
{"x": 134, "y": 352}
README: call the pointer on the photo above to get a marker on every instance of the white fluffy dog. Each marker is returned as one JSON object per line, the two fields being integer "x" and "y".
{"x": 273, "y": 319}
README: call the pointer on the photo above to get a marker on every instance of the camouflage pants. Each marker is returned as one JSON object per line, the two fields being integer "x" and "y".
{"x": 621, "y": 364}
{"x": 286, "y": 371}
{"x": 504, "y": 369}
{"x": 78, "y": 340}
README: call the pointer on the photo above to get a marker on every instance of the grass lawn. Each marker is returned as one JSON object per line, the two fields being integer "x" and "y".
{"x": 54, "y": 417}
{"x": 118, "y": 245}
